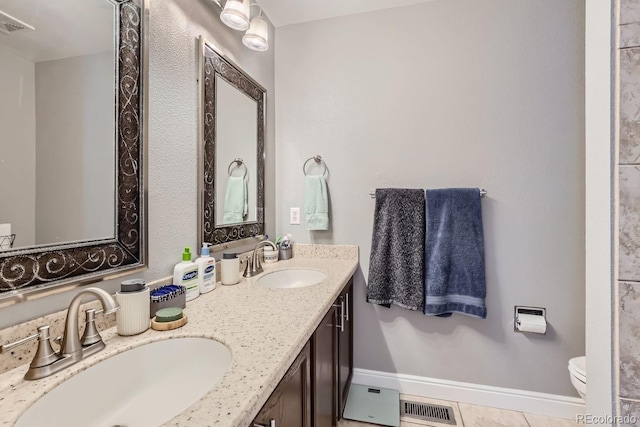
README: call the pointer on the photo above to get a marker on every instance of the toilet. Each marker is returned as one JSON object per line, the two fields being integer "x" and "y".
{"x": 578, "y": 372}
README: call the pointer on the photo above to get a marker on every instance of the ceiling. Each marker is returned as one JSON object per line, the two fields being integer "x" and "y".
{"x": 285, "y": 12}
{"x": 63, "y": 28}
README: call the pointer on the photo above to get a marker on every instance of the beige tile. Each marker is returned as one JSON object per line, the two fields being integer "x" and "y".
{"x": 350, "y": 423}
{"x": 629, "y": 218}
{"x": 629, "y": 105}
{"x": 629, "y": 35}
{"x": 536, "y": 420}
{"x": 413, "y": 422}
{"x": 630, "y": 413}
{"x": 629, "y": 339}
{"x": 629, "y": 11}
{"x": 483, "y": 416}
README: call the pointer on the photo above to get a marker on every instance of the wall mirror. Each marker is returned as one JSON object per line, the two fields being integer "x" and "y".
{"x": 231, "y": 193}
{"x": 71, "y": 158}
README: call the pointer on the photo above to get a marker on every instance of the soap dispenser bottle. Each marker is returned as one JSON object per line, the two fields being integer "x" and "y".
{"x": 229, "y": 269}
{"x": 186, "y": 274}
{"x": 206, "y": 270}
{"x": 133, "y": 299}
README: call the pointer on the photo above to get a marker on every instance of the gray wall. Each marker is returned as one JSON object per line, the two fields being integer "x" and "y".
{"x": 235, "y": 137}
{"x": 461, "y": 93}
{"x": 172, "y": 145}
{"x": 75, "y": 153}
{"x": 17, "y": 145}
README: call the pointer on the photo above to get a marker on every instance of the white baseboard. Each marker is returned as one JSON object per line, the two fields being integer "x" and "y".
{"x": 551, "y": 405}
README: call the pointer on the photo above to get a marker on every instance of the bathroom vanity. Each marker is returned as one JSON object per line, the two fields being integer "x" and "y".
{"x": 280, "y": 340}
{"x": 314, "y": 389}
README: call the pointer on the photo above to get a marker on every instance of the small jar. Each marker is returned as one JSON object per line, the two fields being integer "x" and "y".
{"x": 229, "y": 269}
{"x": 270, "y": 255}
{"x": 133, "y": 316}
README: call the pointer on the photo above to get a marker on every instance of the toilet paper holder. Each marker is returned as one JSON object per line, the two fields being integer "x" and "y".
{"x": 533, "y": 311}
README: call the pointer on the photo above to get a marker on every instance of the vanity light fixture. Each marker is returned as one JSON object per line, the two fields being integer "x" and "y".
{"x": 257, "y": 36}
{"x": 236, "y": 14}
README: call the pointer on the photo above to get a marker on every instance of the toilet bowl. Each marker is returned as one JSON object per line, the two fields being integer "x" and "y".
{"x": 578, "y": 374}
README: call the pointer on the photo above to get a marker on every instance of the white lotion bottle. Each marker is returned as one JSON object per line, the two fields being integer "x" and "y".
{"x": 229, "y": 269}
{"x": 206, "y": 270}
{"x": 186, "y": 274}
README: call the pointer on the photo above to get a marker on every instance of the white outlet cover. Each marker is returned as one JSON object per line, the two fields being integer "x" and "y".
{"x": 294, "y": 216}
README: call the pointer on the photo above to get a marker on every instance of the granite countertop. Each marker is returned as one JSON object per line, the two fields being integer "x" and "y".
{"x": 265, "y": 329}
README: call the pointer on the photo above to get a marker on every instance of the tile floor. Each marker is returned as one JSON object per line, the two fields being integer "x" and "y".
{"x": 476, "y": 416}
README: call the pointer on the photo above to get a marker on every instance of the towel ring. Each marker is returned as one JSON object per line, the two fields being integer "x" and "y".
{"x": 318, "y": 159}
{"x": 239, "y": 162}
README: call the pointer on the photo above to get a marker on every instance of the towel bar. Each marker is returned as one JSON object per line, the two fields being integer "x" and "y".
{"x": 318, "y": 159}
{"x": 483, "y": 193}
{"x": 239, "y": 162}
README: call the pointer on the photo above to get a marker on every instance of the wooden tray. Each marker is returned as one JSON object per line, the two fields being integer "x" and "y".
{"x": 167, "y": 326}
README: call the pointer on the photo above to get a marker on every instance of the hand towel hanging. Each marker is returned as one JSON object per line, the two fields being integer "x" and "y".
{"x": 316, "y": 202}
{"x": 396, "y": 265}
{"x": 454, "y": 253}
{"x": 235, "y": 200}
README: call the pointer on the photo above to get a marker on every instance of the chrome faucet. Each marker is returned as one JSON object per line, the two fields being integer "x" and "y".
{"x": 253, "y": 266}
{"x": 72, "y": 350}
{"x": 71, "y": 338}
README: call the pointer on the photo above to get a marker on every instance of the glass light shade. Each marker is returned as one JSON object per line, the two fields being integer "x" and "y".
{"x": 257, "y": 36}
{"x": 236, "y": 14}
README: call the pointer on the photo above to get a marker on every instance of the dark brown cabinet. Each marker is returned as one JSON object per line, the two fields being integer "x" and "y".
{"x": 314, "y": 390}
{"x": 345, "y": 348}
{"x": 332, "y": 361}
{"x": 290, "y": 403}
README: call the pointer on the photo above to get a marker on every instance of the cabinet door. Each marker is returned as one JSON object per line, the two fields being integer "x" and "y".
{"x": 345, "y": 348}
{"x": 324, "y": 356}
{"x": 290, "y": 403}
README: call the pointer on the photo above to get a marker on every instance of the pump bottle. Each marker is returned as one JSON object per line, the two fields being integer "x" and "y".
{"x": 186, "y": 274}
{"x": 206, "y": 270}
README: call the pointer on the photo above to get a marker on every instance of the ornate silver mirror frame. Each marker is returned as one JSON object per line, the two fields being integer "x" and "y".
{"x": 213, "y": 63}
{"x": 38, "y": 271}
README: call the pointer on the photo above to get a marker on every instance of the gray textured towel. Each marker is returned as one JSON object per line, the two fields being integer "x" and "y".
{"x": 454, "y": 253}
{"x": 396, "y": 266}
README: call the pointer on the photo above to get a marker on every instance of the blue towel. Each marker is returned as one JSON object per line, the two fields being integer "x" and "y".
{"x": 316, "y": 202}
{"x": 454, "y": 253}
{"x": 235, "y": 200}
{"x": 396, "y": 265}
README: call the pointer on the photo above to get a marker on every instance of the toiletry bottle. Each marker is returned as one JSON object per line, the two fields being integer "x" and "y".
{"x": 229, "y": 269}
{"x": 186, "y": 274}
{"x": 133, "y": 299}
{"x": 206, "y": 270}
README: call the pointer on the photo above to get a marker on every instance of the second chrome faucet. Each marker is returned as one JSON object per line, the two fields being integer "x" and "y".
{"x": 253, "y": 266}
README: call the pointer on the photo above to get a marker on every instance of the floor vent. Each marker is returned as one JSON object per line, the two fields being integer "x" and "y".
{"x": 427, "y": 412}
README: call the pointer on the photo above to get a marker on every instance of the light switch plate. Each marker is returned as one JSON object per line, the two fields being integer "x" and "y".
{"x": 294, "y": 216}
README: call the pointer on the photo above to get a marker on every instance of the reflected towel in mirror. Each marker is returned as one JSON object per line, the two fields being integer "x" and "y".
{"x": 236, "y": 203}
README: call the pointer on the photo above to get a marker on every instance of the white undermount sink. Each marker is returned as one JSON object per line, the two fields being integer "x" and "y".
{"x": 292, "y": 278}
{"x": 145, "y": 386}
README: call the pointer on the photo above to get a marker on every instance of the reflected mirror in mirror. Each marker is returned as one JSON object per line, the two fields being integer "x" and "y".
{"x": 231, "y": 152}
{"x": 72, "y": 180}
{"x": 236, "y": 168}
{"x": 57, "y": 115}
